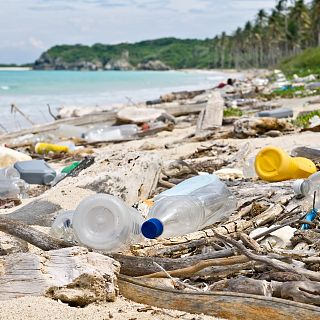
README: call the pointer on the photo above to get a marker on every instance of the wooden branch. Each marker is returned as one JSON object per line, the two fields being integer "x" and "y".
{"x": 50, "y": 112}
{"x": 190, "y": 271}
{"x": 276, "y": 264}
{"x": 226, "y": 305}
{"x": 25, "y": 232}
{"x": 139, "y": 266}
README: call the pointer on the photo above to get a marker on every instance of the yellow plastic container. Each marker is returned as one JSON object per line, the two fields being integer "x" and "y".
{"x": 274, "y": 164}
{"x": 44, "y": 148}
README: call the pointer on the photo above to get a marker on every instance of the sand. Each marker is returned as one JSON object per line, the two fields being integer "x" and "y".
{"x": 39, "y": 308}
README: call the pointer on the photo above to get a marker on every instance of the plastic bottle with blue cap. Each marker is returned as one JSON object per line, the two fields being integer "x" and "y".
{"x": 190, "y": 206}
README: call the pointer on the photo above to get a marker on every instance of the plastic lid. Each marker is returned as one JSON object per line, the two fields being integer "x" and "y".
{"x": 297, "y": 186}
{"x": 152, "y": 228}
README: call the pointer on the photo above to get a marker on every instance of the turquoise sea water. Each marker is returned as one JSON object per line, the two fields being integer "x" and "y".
{"x": 31, "y": 91}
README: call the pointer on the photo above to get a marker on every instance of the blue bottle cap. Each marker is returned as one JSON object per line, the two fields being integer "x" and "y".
{"x": 152, "y": 228}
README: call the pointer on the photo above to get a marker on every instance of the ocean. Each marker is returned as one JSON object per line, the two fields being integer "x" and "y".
{"x": 32, "y": 91}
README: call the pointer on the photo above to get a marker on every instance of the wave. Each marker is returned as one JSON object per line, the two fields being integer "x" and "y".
{"x": 4, "y": 87}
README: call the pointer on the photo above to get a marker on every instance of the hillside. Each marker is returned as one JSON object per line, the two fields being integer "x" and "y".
{"x": 304, "y": 63}
{"x": 160, "y": 54}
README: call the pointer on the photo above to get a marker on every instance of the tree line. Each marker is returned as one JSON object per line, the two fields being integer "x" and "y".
{"x": 288, "y": 29}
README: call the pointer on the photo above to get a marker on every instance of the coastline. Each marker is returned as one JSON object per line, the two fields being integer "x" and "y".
{"x": 15, "y": 69}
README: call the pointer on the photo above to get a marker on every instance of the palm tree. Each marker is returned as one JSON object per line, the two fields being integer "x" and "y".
{"x": 315, "y": 16}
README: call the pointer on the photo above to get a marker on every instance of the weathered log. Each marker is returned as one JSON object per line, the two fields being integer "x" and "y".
{"x": 232, "y": 306}
{"x": 29, "y": 234}
{"x": 212, "y": 115}
{"x": 190, "y": 271}
{"x": 72, "y": 275}
{"x": 139, "y": 266}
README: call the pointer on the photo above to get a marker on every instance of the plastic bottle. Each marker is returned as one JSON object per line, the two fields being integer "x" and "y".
{"x": 10, "y": 172}
{"x": 274, "y": 164}
{"x": 308, "y": 186}
{"x": 190, "y": 206}
{"x": 114, "y": 133}
{"x": 101, "y": 222}
{"x": 44, "y": 148}
{"x": 12, "y": 188}
{"x": 70, "y": 131}
{"x": 62, "y": 227}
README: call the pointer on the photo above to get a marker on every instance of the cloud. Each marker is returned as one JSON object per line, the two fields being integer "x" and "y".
{"x": 36, "y": 43}
{"x": 40, "y": 24}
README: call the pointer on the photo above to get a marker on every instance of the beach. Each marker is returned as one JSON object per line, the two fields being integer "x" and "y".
{"x": 158, "y": 153}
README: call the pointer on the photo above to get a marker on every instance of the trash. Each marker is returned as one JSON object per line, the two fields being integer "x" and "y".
{"x": 10, "y": 173}
{"x": 277, "y": 239}
{"x": 309, "y": 78}
{"x": 113, "y": 133}
{"x": 313, "y": 85}
{"x": 45, "y": 148}
{"x": 190, "y": 206}
{"x": 249, "y": 171}
{"x": 101, "y": 222}
{"x": 308, "y": 186}
{"x": 277, "y": 113}
{"x": 35, "y": 171}
{"x": 12, "y": 188}
{"x": 64, "y": 172}
{"x": 139, "y": 115}
{"x": 274, "y": 164}
{"x": 314, "y": 122}
{"x": 314, "y": 212}
{"x": 260, "y": 82}
{"x": 9, "y": 157}
{"x": 70, "y": 131}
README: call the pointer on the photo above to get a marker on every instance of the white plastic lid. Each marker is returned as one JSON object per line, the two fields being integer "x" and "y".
{"x": 102, "y": 222}
{"x": 301, "y": 187}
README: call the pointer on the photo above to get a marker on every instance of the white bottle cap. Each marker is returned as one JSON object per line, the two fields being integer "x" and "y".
{"x": 297, "y": 184}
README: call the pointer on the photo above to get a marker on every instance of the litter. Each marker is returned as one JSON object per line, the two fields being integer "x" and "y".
{"x": 35, "y": 171}
{"x": 45, "y": 148}
{"x": 101, "y": 222}
{"x": 274, "y": 164}
{"x": 114, "y": 133}
{"x": 277, "y": 113}
{"x": 190, "y": 206}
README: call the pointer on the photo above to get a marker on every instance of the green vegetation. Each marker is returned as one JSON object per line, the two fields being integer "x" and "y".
{"x": 232, "y": 112}
{"x": 303, "y": 64}
{"x": 291, "y": 27}
{"x": 173, "y": 52}
{"x": 303, "y": 120}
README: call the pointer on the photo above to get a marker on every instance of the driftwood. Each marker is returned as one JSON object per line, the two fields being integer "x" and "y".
{"x": 29, "y": 234}
{"x": 212, "y": 115}
{"x": 106, "y": 118}
{"x": 139, "y": 266}
{"x": 233, "y": 306}
{"x": 72, "y": 275}
{"x": 190, "y": 271}
{"x": 274, "y": 263}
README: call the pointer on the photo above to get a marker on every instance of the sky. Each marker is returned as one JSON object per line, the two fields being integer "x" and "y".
{"x": 29, "y": 27}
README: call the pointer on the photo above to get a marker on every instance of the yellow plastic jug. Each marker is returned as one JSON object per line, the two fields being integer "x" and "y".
{"x": 43, "y": 148}
{"x": 274, "y": 164}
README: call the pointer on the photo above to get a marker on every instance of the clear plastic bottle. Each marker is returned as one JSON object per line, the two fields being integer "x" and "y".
{"x": 10, "y": 172}
{"x": 308, "y": 186}
{"x": 101, "y": 222}
{"x": 114, "y": 133}
{"x": 12, "y": 188}
{"x": 190, "y": 206}
{"x": 62, "y": 227}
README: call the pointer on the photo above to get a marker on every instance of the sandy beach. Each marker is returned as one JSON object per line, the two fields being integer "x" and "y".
{"x": 164, "y": 147}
